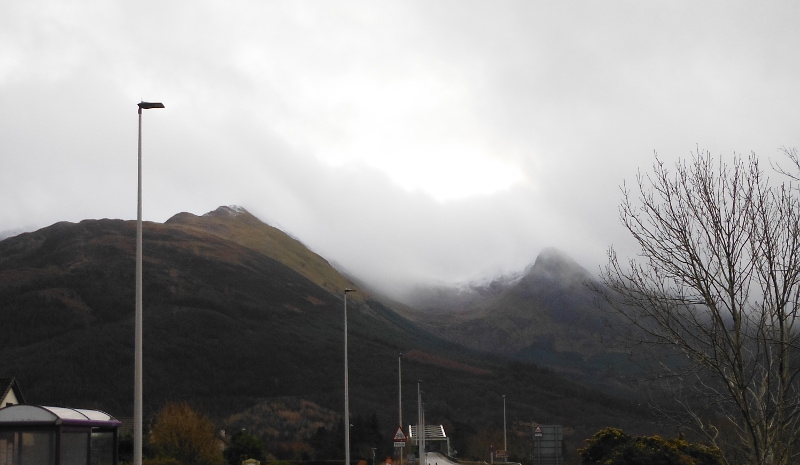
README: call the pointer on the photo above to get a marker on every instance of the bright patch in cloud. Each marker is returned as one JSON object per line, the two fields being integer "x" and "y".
{"x": 450, "y": 173}
{"x": 418, "y": 128}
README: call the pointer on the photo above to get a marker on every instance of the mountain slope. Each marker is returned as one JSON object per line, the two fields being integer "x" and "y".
{"x": 70, "y": 285}
{"x": 236, "y": 313}
{"x": 547, "y": 316}
{"x": 248, "y": 231}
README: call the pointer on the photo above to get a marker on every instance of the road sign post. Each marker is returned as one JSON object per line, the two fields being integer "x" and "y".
{"x": 400, "y": 438}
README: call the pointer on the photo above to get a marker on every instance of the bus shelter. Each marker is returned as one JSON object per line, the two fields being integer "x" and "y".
{"x": 36, "y": 435}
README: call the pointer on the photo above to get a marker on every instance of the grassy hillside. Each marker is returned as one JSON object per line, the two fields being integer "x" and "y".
{"x": 239, "y": 318}
{"x": 548, "y": 316}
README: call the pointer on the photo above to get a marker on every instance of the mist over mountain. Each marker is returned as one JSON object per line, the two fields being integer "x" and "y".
{"x": 11, "y": 233}
{"x": 547, "y": 315}
{"x": 241, "y": 318}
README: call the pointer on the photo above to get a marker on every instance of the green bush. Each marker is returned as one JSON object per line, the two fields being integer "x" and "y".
{"x": 611, "y": 446}
{"x": 244, "y": 446}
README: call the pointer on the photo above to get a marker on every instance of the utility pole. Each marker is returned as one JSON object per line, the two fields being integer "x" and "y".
{"x": 420, "y": 427}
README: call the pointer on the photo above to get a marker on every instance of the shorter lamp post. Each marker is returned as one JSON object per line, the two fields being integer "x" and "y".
{"x": 505, "y": 444}
{"x": 400, "y": 400}
{"x": 346, "y": 393}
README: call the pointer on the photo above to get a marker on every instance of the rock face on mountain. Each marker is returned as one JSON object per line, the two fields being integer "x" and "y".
{"x": 549, "y": 316}
{"x": 238, "y": 313}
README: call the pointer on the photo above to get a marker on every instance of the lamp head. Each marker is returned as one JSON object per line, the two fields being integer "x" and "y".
{"x": 149, "y": 105}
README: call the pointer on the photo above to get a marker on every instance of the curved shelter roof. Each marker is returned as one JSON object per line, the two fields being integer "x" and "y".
{"x": 40, "y": 415}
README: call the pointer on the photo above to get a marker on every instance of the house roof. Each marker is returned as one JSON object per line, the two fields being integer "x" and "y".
{"x": 6, "y": 385}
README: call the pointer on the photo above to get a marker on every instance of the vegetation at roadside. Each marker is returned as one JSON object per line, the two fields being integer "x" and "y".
{"x": 611, "y": 446}
{"x": 184, "y": 435}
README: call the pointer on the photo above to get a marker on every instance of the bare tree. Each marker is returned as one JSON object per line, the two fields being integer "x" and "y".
{"x": 718, "y": 278}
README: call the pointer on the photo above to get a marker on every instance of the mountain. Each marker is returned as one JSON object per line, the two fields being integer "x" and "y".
{"x": 237, "y": 225}
{"x": 242, "y": 319}
{"x": 209, "y": 294}
{"x": 10, "y": 233}
{"x": 549, "y": 315}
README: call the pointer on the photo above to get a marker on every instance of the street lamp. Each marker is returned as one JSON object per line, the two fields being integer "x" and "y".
{"x": 400, "y": 399}
{"x": 399, "y": 391}
{"x": 421, "y": 426}
{"x": 505, "y": 444}
{"x": 137, "y": 388}
{"x": 346, "y": 394}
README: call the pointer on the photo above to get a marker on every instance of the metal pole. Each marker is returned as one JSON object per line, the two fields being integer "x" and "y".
{"x": 400, "y": 400}
{"x": 346, "y": 392}
{"x": 505, "y": 443}
{"x": 539, "y": 449}
{"x": 423, "y": 436}
{"x": 137, "y": 375}
{"x": 400, "y": 391}
{"x": 137, "y": 370}
{"x": 424, "y": 441}
{"x": 420, "y": 426}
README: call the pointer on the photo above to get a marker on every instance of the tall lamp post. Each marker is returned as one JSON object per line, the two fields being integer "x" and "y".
{"x": 400, "y": 400}
{"x": 137, "y": 376}
{"x": 421, "y": 426}
{"x": 346, "y": 392}
{"x": 505, "y": 444}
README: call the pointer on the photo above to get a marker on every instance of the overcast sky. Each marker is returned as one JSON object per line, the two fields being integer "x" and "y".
{"x": 433, "y": 141}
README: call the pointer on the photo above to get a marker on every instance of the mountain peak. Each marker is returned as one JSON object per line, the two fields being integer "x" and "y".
{"x": 234, "y": 223}
{"x": 222, "y": 215}
{"x": 553, "y": 262}
{"x": 230, "y": 210}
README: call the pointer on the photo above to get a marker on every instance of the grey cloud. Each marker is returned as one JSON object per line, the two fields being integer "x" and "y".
{"x": 291, "y": 110}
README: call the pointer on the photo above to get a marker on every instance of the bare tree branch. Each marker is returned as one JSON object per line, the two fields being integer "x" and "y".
{"x": 718, "y": 278}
